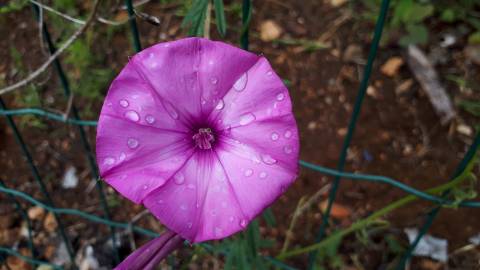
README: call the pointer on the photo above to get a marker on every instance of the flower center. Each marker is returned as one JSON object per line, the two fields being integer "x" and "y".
{"x": 204, "y": 138}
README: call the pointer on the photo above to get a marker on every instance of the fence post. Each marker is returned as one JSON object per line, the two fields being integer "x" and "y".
{"x": 133, "y": 26}
{"x": 351, "y": 126}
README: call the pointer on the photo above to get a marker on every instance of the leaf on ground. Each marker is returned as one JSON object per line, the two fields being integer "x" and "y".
{"x": 338, "y": 211}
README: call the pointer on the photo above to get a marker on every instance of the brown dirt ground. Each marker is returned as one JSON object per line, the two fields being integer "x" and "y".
{"x": 397, "y": 135}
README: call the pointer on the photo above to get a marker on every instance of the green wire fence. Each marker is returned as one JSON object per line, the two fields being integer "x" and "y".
{"x": 337, "y": 173}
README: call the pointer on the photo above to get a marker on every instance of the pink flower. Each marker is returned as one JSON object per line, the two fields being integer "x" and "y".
{"x": 201, "y": 133}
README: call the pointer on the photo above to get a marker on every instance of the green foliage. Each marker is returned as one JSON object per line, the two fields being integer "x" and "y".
{"x": 29, "y": 97}
{"x": 13, "y": 5}
{"x": 194, "y": 20}
{"x": 220, "y": 17}
{"x": 410, "y": 17}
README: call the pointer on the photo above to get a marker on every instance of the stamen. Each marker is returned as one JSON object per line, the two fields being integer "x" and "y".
{"x": 204, "y": 138}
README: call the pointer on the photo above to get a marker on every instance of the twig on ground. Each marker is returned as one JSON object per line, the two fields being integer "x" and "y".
{"x": 428, "y": 78}
{"x": 69, "y": 107}
{"x": 301, "y": 208}
{"x": 132, "y": 222}
{"x": 54, "y": 56}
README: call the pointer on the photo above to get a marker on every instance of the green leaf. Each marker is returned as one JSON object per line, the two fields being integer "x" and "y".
{"x": 448, "y": 15}
{"x": 269, "y": 217}
{"x": 195, "y": 19}
{"x": 417, "y": 34}
{"x": 220, "y": 17}
{"x": 474, "y": 38}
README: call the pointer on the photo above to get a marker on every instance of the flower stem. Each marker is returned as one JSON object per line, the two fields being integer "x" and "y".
{"x": 208, "y": 17}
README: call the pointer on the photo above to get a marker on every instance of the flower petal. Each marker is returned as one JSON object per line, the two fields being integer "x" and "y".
{"x": 263, "y": 96}
{"x": 136, "y": 159}
{"x": 193, "y": 73}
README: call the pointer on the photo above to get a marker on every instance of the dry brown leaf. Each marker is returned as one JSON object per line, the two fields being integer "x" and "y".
{"x": 338, "y": 211}
{"x": 50, "y": 224}
{"x": 36, "y": 213}
{"x": 270, "y": 30}
{"x": 391, "y": 67}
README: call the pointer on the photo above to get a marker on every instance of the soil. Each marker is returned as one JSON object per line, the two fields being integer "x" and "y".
{"x": 398, "y": 135}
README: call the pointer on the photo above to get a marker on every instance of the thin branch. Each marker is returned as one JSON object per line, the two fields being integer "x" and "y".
{"x": 301, "y": 208}
{"x": 54, "y": 56}
{"x": 206, "y": 26}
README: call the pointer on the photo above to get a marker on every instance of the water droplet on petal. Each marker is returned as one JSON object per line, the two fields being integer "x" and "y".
{"x": 203, "y": 101}
{"x": 170, "y": 109}
{"x": 220, "y": 104}
{"x": 269, "y": 160}
{"x": 247, "y": 119}
{"x": 183, "y": 207}
{"x": 263, "y": 175}
{"x": 132, "y": 115}
{"x": 179, "y": 178}
{"x": 287, "y": 149}
{"x": 150, "y": 119}
{"x": 191, "y": 186}
{"x": 241, "y": 83}
{"x": 270, "y": 73}
{"x": 287, "y": 134}
{"x": 109, "y": 161}
{"x": 231, "y": 219}
{"x": 213, "y": 80}
{"x": 122, "y": 156}
{"x": 243, "y": 223}
{"x": 248, "y": 172}
{"x": 280, "y": 96}
{"x": 274, "y": 136}
{"x": 160, "y": 201}
{"x": 218, "y": 231}
{"x": 145, "y": 187}
{"x": 189, "y": 225}
{"x": 132, "y": 143}
{"x": 124, "y": 103}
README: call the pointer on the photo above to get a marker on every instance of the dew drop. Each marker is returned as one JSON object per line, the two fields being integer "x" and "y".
{"x": 220, "y": 104}
{"x": 203, "y": 101}
{"x": 124, "y": 103}
{"x": 243, "y": 223}
{"x": 280, "y": 96}
{"x": 183, "y": 207}
{"x": 247, "y": 119}
{"x": 263, "y": 175}
{"x": 287, "y": 149}
{"x": 189, "y": 225}
{"x": 270, "y": 73}
{"x": 160, "y": 201}
{"x": 132, "y": 116}
{"x": 109, "y": 161}
{"x": 170, "y": 109}
{"x": 122, "y": 156}
{"x": 213, "y": 80}
{"x": 132, "y": 143}
{"x": 287, "y": 134}
{"x": 248, "y": 172}
{"x": 145, "y": 187}
{"x": 274, "y": 136}
{"x": 231, "y": 219}
{"x": 150, "y": 119}
{"x": 179, "y": 178}
{"x": 269, "y": 160}
{"x": 241, "y": 83}
{"x": 218, "y": 231}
